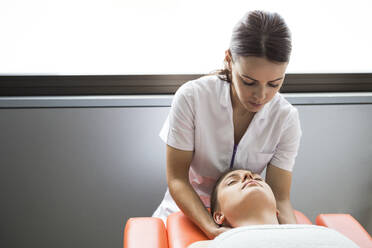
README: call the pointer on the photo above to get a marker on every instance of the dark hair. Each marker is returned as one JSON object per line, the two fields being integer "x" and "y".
{"x": 261, "y": 34}
{"x": 213, "y": 200}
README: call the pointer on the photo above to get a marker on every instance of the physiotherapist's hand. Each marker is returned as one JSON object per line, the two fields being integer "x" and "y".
{"x": 217, "y": 231}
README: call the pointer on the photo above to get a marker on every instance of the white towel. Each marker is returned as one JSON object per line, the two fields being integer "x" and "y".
{"x": 282, "y": 236}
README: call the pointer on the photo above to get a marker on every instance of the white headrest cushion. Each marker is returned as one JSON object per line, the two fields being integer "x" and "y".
{"x": 282, "y": 236}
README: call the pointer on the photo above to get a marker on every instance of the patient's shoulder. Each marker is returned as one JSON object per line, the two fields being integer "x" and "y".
{"x": 200, "y": 244}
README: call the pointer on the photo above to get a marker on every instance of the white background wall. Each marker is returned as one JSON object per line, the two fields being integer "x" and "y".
{"x": 172, "y": 36}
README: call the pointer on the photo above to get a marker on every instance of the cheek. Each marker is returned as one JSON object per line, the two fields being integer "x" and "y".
{"x": 229, "y": 198}
{"x": 271, "y": 92}
{"x": 244, "y": 93}
{"x": 270, "y": 193}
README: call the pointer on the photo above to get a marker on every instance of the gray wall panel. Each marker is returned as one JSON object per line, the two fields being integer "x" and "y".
{"x": 72, "y": 176}
{"x": 334, "y": 166}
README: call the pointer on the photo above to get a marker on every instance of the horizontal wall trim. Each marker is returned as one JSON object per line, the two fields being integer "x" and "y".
{"x": 166, "y": 100}
{"x": 78, "y": 85}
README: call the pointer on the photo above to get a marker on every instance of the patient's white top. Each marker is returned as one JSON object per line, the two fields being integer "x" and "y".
{"x": 201, "y": 120}
{"x": 282, "y": 236}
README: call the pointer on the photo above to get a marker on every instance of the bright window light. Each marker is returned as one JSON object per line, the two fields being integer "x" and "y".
{"x": 81, "y": 37}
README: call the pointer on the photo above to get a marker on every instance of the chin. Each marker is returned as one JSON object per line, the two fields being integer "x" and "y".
{"x": 252, "y": 109}
{"x": 249, "y": 106}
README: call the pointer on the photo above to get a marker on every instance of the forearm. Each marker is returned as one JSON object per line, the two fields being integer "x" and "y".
{"x": 286, "y": 213}
{"x": 191, "y": 205}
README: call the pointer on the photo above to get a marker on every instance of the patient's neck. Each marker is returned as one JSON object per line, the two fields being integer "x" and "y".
{"x": 258, "y": 217}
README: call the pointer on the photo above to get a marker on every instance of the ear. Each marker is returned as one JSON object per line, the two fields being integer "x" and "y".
{"x": 218, "y": 217}
{"x": 277, "y": 212}
{"x": 228, "y": 59}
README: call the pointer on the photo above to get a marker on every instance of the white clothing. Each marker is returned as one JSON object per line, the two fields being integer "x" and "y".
{"x": 201, "y": 120}
{"x": 281, "y": 236}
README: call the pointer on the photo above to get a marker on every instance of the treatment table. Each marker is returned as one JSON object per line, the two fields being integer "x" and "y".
{"x": 145, "y": 232}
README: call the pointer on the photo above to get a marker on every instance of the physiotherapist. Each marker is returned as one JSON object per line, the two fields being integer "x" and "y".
{"x": 234, "y": 118}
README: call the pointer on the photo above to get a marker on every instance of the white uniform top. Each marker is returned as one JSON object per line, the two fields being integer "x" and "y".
{"x": 201, "y": 120}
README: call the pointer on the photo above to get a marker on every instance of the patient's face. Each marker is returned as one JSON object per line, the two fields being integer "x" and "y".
{"x": 241, "y": 190}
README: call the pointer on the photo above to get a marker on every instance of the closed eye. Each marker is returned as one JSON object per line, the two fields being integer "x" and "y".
{"x": 231, "y": 182}
{"x": 253, "y": 83}
{"x": 249, "y": 84}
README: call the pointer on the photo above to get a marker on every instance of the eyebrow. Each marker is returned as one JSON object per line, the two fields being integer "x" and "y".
{"x": 231, "y": 175}
{"x": 258, "y": 81}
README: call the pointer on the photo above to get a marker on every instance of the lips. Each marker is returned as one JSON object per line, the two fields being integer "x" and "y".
{"x": 256, "y": 104}
{"x": 251, "y": 182}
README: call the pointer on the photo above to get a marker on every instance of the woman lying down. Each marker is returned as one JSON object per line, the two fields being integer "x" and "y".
{"x": 245, "y": 202}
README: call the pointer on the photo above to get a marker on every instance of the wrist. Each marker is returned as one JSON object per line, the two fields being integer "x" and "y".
{"x": 211, "y": 230}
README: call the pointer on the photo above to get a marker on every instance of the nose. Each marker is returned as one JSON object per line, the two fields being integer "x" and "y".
{"x": 259, "y": 93}
{"x": 247, "y": 176}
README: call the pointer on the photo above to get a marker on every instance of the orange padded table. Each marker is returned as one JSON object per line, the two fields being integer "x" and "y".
{"x": 146, "y": 232}
{"x": 346, "y": 225}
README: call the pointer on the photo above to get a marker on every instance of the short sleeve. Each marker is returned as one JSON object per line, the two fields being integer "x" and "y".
{"x": 287, "y": 148}
{"x": 178, "y": 129}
